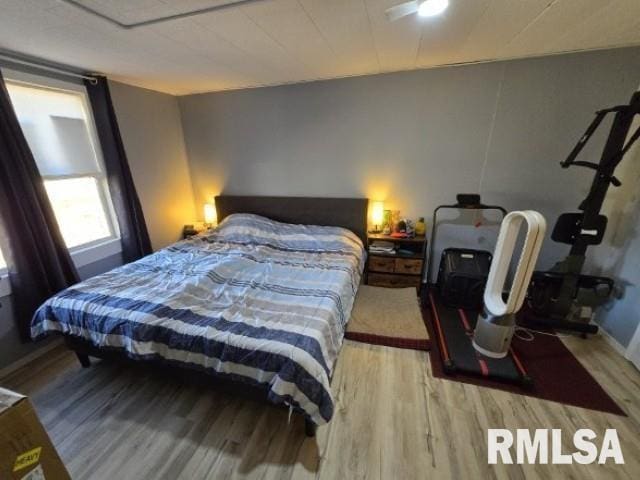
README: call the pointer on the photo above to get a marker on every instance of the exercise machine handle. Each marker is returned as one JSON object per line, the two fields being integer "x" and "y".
{"x": 594, "y": 166}
{"x": 465, "y": 201}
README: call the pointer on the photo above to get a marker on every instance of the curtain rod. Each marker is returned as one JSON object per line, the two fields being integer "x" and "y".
{"x": 43, "y": 66}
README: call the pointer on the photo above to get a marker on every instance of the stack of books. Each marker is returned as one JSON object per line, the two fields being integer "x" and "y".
{"x": 381, "y": 246}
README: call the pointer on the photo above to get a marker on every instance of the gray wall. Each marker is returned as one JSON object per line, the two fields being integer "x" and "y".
{"x": 152, "y": 135}
{"x": 619, "y": 255}
{"x": 11, "y": 348}
{"x": 416, "y": 138}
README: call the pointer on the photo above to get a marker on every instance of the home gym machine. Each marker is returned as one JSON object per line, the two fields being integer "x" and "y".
{"x": 557, "y": 296}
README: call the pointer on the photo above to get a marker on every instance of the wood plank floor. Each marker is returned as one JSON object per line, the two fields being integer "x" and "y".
{"x": 393, "y": 420}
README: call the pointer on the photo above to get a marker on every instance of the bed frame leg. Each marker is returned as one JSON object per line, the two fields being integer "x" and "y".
{"x": 310, "y": 428}
{"x": 84, "y": 360}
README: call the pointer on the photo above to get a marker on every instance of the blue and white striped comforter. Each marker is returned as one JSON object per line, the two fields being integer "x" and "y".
{"x": 254, "y": 300}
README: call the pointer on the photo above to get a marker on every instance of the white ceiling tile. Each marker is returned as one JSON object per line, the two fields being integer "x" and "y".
{"x": 27, "y": 15}
{"x": 396, "y": 42}
{"x": 628, "y": 36}
{"x": 240, "y": 31}
{"x": 282, "y": 41}
{"x": 133, "y": 11}
{"x": 192, "y": 37}
{"x": 601, "y": 28}
{"x": 443, "y": 37}
{"x": 76, "y": 16}
{"x": 548, "y": 27}
{"x": 345, "y": 26}
{"x": 287, "y": 23}
{"x": 500, "y": 22}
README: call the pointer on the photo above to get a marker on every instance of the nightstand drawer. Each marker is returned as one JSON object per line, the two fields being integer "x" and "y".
{"x": 408, "y": 265}
{"x": 381, "y": 264}
{"x": 384, "y": 280}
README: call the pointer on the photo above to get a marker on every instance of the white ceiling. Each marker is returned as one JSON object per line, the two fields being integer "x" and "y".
{"x": 280, "y": 41}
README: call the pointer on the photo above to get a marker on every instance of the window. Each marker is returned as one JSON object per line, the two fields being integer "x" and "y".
{"x": 57, "y": 123}
{"x": 3, "y": 263}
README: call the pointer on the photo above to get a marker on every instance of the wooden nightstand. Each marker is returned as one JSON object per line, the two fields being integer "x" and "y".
{"x": 399, "y": 269}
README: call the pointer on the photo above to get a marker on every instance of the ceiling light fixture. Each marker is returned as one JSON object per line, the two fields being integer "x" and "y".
{"x": 431, "y": 8}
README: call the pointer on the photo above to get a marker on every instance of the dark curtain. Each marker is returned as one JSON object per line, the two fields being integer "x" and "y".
{"x": 133, "y": 230}
{"x": 39, "y": 262}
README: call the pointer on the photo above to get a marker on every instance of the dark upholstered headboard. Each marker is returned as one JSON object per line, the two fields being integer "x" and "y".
{"x": 348, "y": 213}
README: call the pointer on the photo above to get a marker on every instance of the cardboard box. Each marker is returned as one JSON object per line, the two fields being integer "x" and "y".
{"x": 26, "y": 452}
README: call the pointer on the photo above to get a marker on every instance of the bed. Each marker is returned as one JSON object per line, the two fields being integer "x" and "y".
{"x": 262, "y": 301}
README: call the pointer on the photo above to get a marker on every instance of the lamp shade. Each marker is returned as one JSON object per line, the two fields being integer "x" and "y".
{"x": 377, "y": 213}
{"x": 210, "y": 215}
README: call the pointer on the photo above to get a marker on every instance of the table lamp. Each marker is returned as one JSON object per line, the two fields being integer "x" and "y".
{"x": 377, "y": 216}
{"x": 210, "y": 215}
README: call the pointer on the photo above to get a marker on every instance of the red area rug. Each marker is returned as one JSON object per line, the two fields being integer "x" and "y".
{"x": 556, "y": 373}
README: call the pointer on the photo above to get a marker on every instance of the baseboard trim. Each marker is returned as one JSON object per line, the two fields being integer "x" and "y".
{"x": 30, "y": 357}
{"x": 613, "y": 343}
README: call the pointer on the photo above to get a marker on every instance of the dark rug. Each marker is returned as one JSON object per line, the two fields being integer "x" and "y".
{"x": 556, "y": 373}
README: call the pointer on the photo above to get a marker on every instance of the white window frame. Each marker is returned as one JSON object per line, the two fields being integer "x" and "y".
{"x": 98, "y": 249}
{"x": 5, "y": 288}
